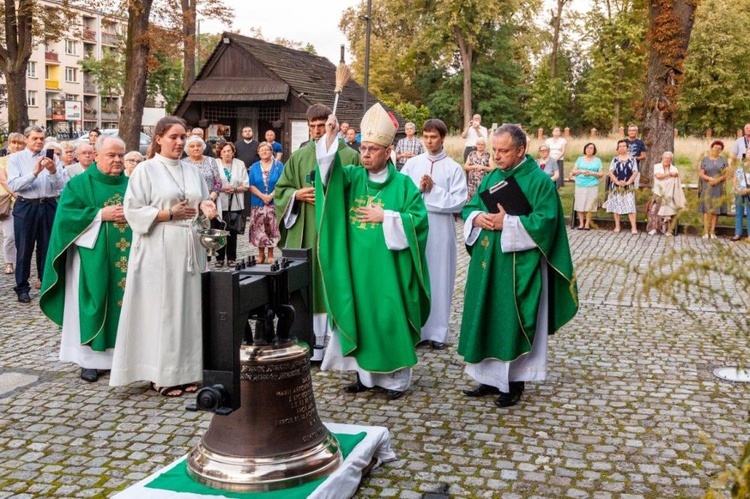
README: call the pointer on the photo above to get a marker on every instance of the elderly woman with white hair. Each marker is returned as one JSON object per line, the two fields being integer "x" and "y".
{"x": 67, "y": 153}
{"x": 668, "y": 195}
{"x": 477, "y": 166}
{"x": 131, "y": 161}
{"x": 195, "y": 147}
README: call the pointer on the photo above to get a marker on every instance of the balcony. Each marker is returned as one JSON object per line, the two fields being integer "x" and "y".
{"x": 88, "y": 35}
{"x": 52, "y": 84}
{"x": 51, "y": 57}
{"x": 88, "y": 87}
{"x": 89, "y": 114}
{"x": 110, "y": 39}
{"x": 107, "y": 116}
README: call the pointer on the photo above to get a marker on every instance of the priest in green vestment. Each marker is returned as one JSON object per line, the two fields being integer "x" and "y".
{"x": 521, "y": 285}
{"x": 294, "y": 200}
{"x": 372, "y": 235}
{"x": 87, "y": 261}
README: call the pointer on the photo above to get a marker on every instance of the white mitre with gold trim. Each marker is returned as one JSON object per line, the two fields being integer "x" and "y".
{"x": 377, "y": 126}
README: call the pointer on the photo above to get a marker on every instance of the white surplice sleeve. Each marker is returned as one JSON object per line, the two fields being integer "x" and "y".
{"x": 471, "y": 233}
{"x": 393, "y": 230}
{"x": 325, "y": 158}
{"x": 137, "y": 206}
{"x": 88, "y": 237}
{"x": 514, "y": 237}
{"x": 440, "y": 200}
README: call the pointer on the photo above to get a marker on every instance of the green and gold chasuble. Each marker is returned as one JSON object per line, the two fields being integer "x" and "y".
{"x": 503, "y": 290}
{"x": 377, "y": 299}
{"x": 103, "y": 268}
{"x": 304, "y": 233}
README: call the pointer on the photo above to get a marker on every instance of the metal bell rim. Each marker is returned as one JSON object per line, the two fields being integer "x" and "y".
{"x": 262, "y": 474}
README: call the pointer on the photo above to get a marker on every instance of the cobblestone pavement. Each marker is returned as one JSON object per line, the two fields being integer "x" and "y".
{"x": 630, "y": 394}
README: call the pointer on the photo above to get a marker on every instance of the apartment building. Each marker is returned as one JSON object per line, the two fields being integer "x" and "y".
{"x": 59, "y": 94}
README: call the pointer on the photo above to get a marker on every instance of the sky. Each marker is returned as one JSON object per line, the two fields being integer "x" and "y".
{"x": 303, "y": 21}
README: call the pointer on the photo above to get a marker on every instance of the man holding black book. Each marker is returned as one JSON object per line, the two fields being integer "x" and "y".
{"x": 521, "y": 285}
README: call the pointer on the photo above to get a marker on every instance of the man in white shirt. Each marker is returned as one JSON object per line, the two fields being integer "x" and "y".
{"x": 473, "y": 131}
{"x": 37, "y": 180}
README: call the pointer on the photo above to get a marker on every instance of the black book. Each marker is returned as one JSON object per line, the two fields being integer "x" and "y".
{"x": 507, "y": 194}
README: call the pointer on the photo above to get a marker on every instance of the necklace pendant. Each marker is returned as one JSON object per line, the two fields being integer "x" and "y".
{"x": 181, "y": 197}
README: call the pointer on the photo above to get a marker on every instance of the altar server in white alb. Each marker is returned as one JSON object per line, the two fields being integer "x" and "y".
{"x": 443, "y": 185}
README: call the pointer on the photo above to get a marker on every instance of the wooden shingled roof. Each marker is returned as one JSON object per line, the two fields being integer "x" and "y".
{"x": 311, "y": 78}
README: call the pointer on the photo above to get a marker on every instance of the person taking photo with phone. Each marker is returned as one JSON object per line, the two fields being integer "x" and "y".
{"x": 38, "y": 181}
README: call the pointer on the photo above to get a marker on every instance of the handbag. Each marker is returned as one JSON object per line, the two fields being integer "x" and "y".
{"x": 5, "y": 206}
{"x": 236, "y": 219}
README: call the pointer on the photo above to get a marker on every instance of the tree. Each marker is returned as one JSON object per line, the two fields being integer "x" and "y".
{"x": 715, "y": 93}
{"x": 24, "y": 21}
{"x": 137, "y": 50}
{"x": 614, "y": 79}
{"x": 419, "y": 48}
{"x": 671, "y": 23}
{"x": 108, "y": 72}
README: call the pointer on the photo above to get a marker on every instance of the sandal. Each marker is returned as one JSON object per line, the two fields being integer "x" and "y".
{"x": 270, "y": 261}
{"x": 190, "y": 388}
{"x": 168, "y": 391}
{"x": 735, "y": 238}
{"x": 260, "y": 259}
{"x": 230, "y": 263}
{"x": 219, "y": 264}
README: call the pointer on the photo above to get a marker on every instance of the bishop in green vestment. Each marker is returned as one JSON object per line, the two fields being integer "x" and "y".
{"x": 294, "y": 200}
{"x": 87, "y": 261}
{"x": 521, "y": 285}
{"x": 372, "y": 234}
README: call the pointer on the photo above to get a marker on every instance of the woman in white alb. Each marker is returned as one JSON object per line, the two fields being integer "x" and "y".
{"x": 159, "y": 336}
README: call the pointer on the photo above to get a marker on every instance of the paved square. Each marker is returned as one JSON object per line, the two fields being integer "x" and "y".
{"x": 630, "y": 408}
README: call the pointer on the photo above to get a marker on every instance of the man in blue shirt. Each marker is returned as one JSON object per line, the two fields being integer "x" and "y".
{"x": 37, "y": 180}
{"x": 277, "y": 149}
{"x": 636, "y": 149}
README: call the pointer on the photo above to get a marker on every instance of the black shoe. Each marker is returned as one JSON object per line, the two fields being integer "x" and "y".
{"x": 24, "y": 297}
{"x": 512, "y": 398}
{"x": 437, "y": 345}
{"x": 481, "y": 391}
{"x": 90, "y": 375}
{"x": 356, "y": 387}
{"x": 393, "y": 394}
{"x": 507, "y": 399}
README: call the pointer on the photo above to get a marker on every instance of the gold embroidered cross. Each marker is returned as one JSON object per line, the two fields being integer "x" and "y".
{"x": 121, "y": 227}
{"x": 122, "y": 286}
{"x": 485, "y": 242}
{"x": 122, "y": 265}
{"x": 123, "y": 244}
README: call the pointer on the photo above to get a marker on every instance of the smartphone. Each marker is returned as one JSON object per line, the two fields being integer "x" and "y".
{"x": 50, "y": 154}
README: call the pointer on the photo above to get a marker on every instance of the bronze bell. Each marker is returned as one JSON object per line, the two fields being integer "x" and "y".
{"x": 275, "y": 439}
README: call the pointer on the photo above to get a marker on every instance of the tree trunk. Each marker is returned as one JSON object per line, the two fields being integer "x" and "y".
{"x": 556, "y": 25}
{"x": 466, "y": 56}
{"x": 189, "y": 11}
{"x": 14, "y": 59}
{"x": 18, "y": 111}
{"x": 616, "y": 117}
{"x": 136, "y": 71}
{"x": 670, "y": 27}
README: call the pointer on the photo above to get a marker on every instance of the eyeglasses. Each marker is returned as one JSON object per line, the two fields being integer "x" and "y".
{"x": 370, "y": 150}
{"x": 131, "y": 160}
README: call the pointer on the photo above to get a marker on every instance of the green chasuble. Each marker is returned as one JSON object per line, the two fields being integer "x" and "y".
{"x": 377, "y": 299}
{"x": 103, "y": 268}
{"x": 304, "y": 233}
{"x": 502, "y": 291}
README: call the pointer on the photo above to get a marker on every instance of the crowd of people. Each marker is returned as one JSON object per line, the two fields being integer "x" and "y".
{"x": 119, "y": 262}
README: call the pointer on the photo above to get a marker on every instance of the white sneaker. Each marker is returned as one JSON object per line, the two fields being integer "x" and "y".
{"x": 668, "y": 234}
{"x": 712, "y": 236}
{"x": 705, "y": 236}
{"x": 652, "y": 232}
